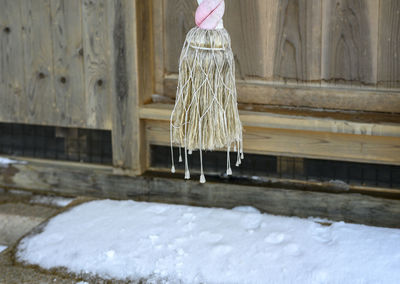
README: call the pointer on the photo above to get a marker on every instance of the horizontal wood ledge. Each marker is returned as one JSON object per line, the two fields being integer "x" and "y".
{"x": 297, "y": 136}
{"x": 264, "y": 119}
{"x": 303, "y": 95}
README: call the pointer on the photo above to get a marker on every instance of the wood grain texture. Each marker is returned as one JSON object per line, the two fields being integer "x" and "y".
{"x": 69, "y": 78}
{"x": 12, "y": 79}
{"x": 349, "y": 44}
{"x": 39, "y": 102}
{"x": 293, "y": 95}
{"x": 158, "y": 45}
{"x": 304, "y": 144}
{"x": 389, "y": 44}
{"x": 179, "y": 20}
{"x": 298, "y": 37}
{"x": 249, "y": 31}
{"x": 96, "y": 63}
{"x": 125, "y": 19}
{"x": 243, "y": 21}
{"x": 369, "y": 124}
{"x": 75, "y": 179}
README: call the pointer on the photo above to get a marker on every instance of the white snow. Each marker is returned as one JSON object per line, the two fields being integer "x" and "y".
{"x": 132, "y": 240}
{"x": 7, "y": 161}
{"x": 51, "y": 200}
{"x": 2, "y": 248}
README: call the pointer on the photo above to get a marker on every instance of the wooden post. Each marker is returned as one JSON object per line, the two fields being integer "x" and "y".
{"x": 130, "y": 56}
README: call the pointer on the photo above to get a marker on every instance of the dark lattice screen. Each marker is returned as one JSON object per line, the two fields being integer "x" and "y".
{"x": 374, "y": 175}
{"x": 57, "y": 143}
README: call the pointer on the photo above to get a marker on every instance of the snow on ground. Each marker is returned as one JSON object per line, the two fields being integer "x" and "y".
{"x": 2, "y": 248}
{"x": 51, "y": 200}
{"x": 6, "y": 161}
{"x": 132, "y": 240}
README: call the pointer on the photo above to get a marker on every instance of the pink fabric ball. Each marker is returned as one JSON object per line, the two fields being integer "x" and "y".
{"x": 209, "y": 14}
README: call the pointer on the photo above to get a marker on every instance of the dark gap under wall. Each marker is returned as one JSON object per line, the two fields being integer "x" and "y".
{"x": 253, "y": 166}
{"x": 56, "y": 143}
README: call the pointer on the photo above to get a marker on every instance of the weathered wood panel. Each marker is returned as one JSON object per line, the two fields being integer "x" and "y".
{"x": 39, "y": 103}
{"x": 157, "y": 12}
{"x": 179, "y": 20}
{"x": 304, "y": 143}
{"x": 126, "y": 125}
{"x": 369, "y": 124}
{"x": 298, "y": 37}
{"x": 74, "y": 179}
{"x": 280, "y": 45}
{"x": 249, "y": 42}
{"x": 69, "y": 78}
{"x": 294, "y": 95}
{"x": 242, "y": 20}
{"x": 97, "y": 63}
{"x": 349, "y": 46}
{"x": 11, "y": 60}
{"x": 389, "y": 44}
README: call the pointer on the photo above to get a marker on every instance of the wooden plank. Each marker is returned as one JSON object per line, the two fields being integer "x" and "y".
{"x": 145, "y": 50}
{"x": 69, "y": 80}
{"x": 334, "y": 122}
{"x": 11, "y": 60}
{"x": 349, "y": 44}
{"x": 303, "y": 144}
{"x": 96, "y": 64}
{"x": 243, "y": 20}
{"x": 127, "y": 138}
{"x": 179, "y": 19}
{"x": 389, "y": 44}
{"x": 76, "y": 179}
{"x": 158, "y": 45}
{"x": 298, "y": 36}
{"x": 261, "y": 92}
{"x": 39, "y": 104}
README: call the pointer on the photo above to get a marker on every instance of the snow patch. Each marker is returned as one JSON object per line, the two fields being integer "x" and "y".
{"x": 130, "y": 240}
{"x": 5, "y": 162}
{"x": 51, "y": 200}
{"x": 2, "y": 248}
{"x": 246, "y": 209}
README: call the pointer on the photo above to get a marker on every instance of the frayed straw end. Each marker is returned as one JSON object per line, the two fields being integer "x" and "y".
{"x": 187, "y": 175}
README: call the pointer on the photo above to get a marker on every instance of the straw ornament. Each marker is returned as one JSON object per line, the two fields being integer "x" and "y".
{"x": 205, "y": 115}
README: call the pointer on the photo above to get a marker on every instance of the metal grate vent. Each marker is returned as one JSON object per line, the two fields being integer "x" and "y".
{"x": 373, "y": 175}
{"x": 56, "y": 143}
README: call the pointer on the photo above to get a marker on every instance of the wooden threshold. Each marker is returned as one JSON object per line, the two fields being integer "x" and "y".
{"x": 298, "y": 136}
{"x": 72, "y": 179}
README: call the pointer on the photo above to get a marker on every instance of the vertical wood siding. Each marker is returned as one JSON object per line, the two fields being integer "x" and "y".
{"x": 325, "y": 48}
{"x": 55, "y": 63}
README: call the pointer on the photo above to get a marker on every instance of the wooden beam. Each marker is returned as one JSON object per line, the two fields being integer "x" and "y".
{"x": 127, "y": 19}
{"x": 99, "y": 181}
{"x": 292, "y": 121}
{"x": 303, "y": 144}
{"x": 292, "y": 94}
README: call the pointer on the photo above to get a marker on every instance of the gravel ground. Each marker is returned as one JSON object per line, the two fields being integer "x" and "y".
{"x": 18, "y": 217}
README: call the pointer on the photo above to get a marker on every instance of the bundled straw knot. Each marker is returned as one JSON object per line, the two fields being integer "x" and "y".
{"x": 205, "y": 116}
{"x": 209, "y": 14}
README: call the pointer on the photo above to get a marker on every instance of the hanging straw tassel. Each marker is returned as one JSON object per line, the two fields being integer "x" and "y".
{"x": 205, "y": 116}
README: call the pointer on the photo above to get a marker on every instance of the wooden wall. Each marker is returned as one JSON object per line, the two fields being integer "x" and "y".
{"x": 99, "y": 64}
{"x": 337, "y": 54}
{"x": 55, "y": 62}
{"x": 74, "y": 63}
